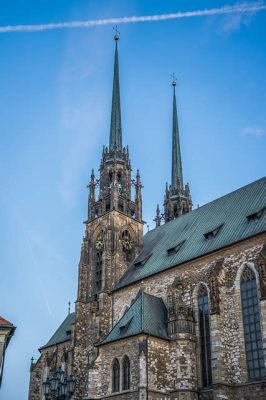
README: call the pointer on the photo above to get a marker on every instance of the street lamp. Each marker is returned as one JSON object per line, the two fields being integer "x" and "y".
{"x": 58, "y": 386}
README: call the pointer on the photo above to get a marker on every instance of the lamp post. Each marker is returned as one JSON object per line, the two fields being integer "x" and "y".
{"x": 58, "y": 386}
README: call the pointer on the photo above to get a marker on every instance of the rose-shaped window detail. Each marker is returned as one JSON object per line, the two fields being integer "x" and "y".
{"x": 99, "y": 244}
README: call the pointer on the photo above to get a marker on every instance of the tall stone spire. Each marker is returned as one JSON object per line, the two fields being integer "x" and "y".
{"x": 115, "y": 142}
{"x": 177, "y": 199}
{"x": 177, "y": 176}
{"x": 112, "y": 191}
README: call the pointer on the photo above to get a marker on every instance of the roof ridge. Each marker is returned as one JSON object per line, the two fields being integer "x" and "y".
{"x": 207, "y": 204}
{"x": 231, "y": 210}
{"x": 4, "y": 321}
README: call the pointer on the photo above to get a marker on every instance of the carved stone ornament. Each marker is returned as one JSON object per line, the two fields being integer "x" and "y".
{"x": 214, "y": 287}
{"x": 262, "y": 272}
{"x": 177, "y": 308}
{"x": 214, "y": 295}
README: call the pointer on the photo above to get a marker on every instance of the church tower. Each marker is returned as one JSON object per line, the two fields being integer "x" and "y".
{"x": 113, "y": 238}
{"x": 177, "y": 199}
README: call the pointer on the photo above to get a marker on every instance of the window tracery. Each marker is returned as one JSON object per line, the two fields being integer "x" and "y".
{"x": 252, "y": 327}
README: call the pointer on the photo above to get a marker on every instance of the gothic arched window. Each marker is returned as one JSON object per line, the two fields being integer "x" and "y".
{"x": 116, "y": 376}
{"x": 205, "y": 340}
{"x": 126, "y": 373}
{"x": 99, "y": 246}
{"x": 252, "y": 328}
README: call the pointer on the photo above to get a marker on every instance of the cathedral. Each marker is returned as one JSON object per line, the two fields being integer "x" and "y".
{"x": 176, "y": 314}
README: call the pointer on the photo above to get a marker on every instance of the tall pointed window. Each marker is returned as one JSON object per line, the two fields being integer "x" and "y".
{"x": 116, "y": 376}
{"x": 252, "y": 327}
{"x": 99, "y": 246}
{"x": 126, "y": 373}
{"x": 98, "y": 270}
{"x": 205, "y": 341}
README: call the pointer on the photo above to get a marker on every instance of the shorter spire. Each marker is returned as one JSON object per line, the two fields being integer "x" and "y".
{"x": 158, "y": 217}
{"x": 177, "y": 176}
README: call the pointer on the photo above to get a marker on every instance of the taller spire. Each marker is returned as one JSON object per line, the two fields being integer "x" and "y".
{"x": 177, "y": 176}
{"x": 113, "y": 190}
{"x": 115, "y": 142}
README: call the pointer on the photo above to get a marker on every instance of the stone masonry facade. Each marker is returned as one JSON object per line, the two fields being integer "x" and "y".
{"x": 168, "y": 369}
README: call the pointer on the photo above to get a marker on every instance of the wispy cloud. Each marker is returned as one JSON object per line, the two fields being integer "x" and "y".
{"x": 254, "y": 131}
{"x": 226, "y": 10}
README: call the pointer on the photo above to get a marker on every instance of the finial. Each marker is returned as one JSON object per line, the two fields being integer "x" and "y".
{"x": 174, "y": 79}
{"x": 69, "y": 304}
{"x": 117, "y": 33}
{"x": 32, "y": 359}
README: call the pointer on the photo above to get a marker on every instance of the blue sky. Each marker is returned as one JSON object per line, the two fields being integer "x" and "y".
{"x": 55, "y": 99}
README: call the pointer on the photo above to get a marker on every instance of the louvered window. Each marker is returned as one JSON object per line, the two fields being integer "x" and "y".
{"x": 98, "y": 271}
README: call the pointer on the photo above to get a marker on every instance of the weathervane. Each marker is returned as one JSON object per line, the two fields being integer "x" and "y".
{"x": 117, "y": 33}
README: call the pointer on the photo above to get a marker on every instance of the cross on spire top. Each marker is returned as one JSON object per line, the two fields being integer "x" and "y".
{"x": 174, "y": 79}
{"x": 117, "y": 33}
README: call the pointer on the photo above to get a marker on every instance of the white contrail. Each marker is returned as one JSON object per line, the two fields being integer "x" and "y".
{"x": 237, "y": 8}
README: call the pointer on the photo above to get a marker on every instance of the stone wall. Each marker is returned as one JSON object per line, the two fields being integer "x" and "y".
{"x": 50, "y": 360}
{"x": 227, "y": 336}
{"x": 158, "y": 365}
{"x": 100, "y": 383}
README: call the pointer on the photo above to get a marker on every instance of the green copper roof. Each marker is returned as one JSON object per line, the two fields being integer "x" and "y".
{"x": 147, "y": 314}
{"x": 227, "y": 220}
{"x": 176, "y": 153}
{"x": 63, "y": 333}
{"x": 116, "y": 128}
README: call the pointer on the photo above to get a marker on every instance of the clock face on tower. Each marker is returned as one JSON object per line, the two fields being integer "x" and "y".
{"x": 127, "y": 242}
{"x": 100, "y": 241}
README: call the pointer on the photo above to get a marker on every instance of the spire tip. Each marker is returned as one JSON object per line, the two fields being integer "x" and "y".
{"x": 174, "y": 79}
{"x": 116, "y": 36}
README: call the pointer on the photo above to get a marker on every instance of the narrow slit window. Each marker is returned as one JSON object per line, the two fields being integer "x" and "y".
{"x": 126, "y": 373}
{"x": 116, "y": 376}
{"x": 205, "y": 339}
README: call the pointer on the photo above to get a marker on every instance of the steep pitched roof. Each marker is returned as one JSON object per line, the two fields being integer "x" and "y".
{"x": 147, "y": 314}
{"x": 229, "y": 219}
{"x": 63, "y": 333}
